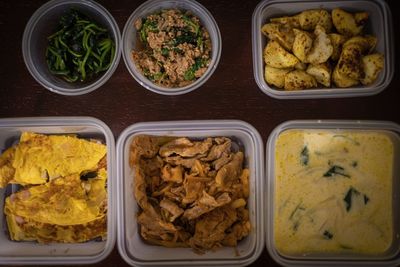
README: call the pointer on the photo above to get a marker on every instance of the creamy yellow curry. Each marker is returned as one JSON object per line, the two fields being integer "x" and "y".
{"x": 333, "y": 192}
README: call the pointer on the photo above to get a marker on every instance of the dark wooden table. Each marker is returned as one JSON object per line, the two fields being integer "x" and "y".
{"x": 231, "y": 93}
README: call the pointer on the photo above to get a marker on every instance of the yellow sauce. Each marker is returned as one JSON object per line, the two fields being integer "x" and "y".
{"x": 333, "y": 192}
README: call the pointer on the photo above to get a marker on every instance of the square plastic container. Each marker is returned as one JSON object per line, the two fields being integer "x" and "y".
{"x": 389, "y": 257}
{"x": 131, "y": 246}
{"x": 23, "y": 253}
{"x": 379, "y": 24}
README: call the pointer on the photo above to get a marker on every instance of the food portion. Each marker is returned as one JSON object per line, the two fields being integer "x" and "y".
{"x": 191, "y": 193}
{"x": 318, "y": 49}
{"x": 63, "y": 195}
{"x": 80, "y": 49}
{"x": 174, "y": 48}
{"x": 333, "y": 192}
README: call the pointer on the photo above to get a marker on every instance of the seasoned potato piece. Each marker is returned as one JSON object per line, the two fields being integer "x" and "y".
{"x": 341, "y": 80}
{"x": 322, "y": 48}
{"x": 299, "y": 80}
{"x": 300, "y": 66}
{"x": 302, "y": 44}
{"x": 347, "y": 23}
{"x": 276, "y": 56}
{"x": 281, "y": 33}
{"x": 276, "y": 76}
{"x": 309, "y": 19}
{"x": 365, "y": 43}
{"x": 349, "y": 63}
{"x": 372, "y": 66}
{"x": 292, "y": 21}
{"x": 337, "y": 41}
{"x": 321, "y": 72}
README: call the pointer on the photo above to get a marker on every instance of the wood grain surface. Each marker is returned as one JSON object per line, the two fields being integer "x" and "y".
{"x": 231, "y": 92}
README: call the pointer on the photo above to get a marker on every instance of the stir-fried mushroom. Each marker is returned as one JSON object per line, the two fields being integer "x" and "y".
{"x": 191, "y": 193}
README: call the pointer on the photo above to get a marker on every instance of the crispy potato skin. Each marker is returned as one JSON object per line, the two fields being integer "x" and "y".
{"x": 276, "y": 56}
{"x": 299, "y": 80}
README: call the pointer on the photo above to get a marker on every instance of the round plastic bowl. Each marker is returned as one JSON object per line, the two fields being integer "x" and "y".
{"x": 43, "y": 23}
{"x": 129, "y": 42}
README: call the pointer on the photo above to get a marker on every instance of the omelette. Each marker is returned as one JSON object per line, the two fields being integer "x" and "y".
{"x": 63, "y": 196}
{"x": 333, "y": 192}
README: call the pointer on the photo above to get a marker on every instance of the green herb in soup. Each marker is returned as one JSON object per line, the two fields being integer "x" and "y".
{"x": 80, "y": 49}
{"x": 174, "y": 48}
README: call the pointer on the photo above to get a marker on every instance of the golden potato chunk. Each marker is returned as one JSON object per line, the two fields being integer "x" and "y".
{"x": 321, "y": 72}
{"x": 349, "y": 63}
{"x": 302, "y": 44}
{"x": 372, "y": 66}
{"x": 341, "y": 80}
{"x": 321, "y": 49}
{"x": 347, "y": 23}
{"x": 276, "y": 77}
{"x": 337, "y": 41}
{"x": 281, "y": 33}
{"x": 276, "y": 56}
{"x": 309, "y": 19}
{"x": 299, "y": 80}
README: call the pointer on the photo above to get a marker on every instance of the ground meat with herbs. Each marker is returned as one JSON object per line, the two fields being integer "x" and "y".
{"x": 176, "y": 48}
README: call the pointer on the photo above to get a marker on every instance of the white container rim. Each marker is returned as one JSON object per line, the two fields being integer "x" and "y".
{"x": 111, "y": 188}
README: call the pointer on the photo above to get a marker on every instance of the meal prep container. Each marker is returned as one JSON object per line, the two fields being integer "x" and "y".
{"x": 23, "y": 253}
{"x": 379, "y": 24}
{"x": 129, "y": 42}
{"x": 389, "y": 258}
{"x": 130, "y": 244}
{"x": 43, "y": 23}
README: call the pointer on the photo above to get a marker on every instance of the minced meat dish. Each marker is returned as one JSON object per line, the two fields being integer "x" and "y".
{"x": 175, "y": 48}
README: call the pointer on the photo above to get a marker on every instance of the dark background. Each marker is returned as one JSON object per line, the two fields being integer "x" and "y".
{"x": 231, "y": 92}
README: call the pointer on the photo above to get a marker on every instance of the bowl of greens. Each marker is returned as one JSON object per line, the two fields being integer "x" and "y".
{"x": 71, "y": 47}
{"x": 171, "y": 47}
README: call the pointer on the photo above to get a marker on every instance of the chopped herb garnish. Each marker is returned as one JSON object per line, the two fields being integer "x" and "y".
{"x": 336, "y": 170}
{"x": 327, "y": 235}
{"x": 350, "y": 195}
{"x": 304, "y": 156}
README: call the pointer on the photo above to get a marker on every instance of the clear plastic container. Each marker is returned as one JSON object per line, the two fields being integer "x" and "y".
{"x": 391, "y": 256}
{"x": 42, "y": 24}
{"x": 129, "y": 42}
{"x": 379, "y": 24}
{"x": 24, "y": 253}
{"x": 131, "y": 246}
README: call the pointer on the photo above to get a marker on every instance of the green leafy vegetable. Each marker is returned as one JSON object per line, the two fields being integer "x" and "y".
{"x": 79, "y": 49}
{"x": 304, "y": 156}
{"x": 190, "y": 73}
{"x": 336, "y": 170}
{"x": 327, "y": 235}
{"x": 350, "y": 196}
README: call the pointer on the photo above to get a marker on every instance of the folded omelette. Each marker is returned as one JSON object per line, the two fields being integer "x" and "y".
{"x": 64, "y": 195}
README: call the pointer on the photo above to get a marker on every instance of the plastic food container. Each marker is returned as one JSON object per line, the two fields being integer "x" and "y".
{"x": 345, "y": 257}
{"x": 23, "y": 253}
{"x": 42, "y": 24}
{"x": 130, "y": 42}
{"x": 131, "y": 246}
{"x": 379, "y": 24}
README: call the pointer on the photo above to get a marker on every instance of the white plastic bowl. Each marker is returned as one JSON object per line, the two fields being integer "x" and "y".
{"x": 24, "y": 253}
{"x": 129, "y": 42}
{"x": 138, "y": 253}
{"x": 379, "y": 24}
{"x": 42, "y": 24}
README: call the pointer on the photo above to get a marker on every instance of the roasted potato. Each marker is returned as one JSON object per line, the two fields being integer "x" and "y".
{"x": 341, "y": 80}
{"x": 302, "y": 44}
{"x": 347, "y": 23}
{"x": 291, "y": 21}
{"x": 372, "y": 66}
{"x": 321, "y": 72}
{"x": 276, "y": 76}
{"x": 283, "y": 34}
{"x": 321, "y": 49}
{"x": 337, "y": 41}
{"x": 309, "y": 19}
{"x": 276, "y": 56}
{"x": 349, "y": 63}
{"x": 299, "y": 80}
